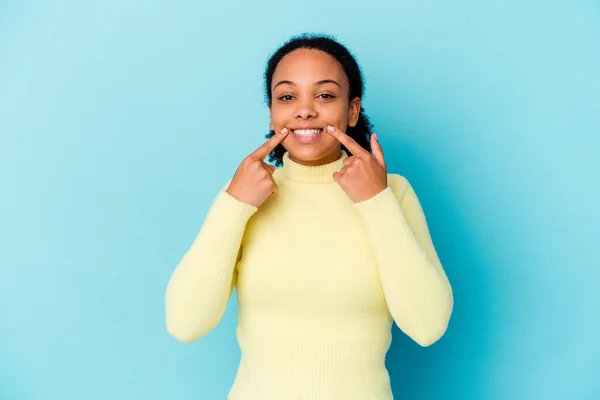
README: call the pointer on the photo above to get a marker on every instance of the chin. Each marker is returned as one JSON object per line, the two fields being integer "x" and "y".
{"x": 310, "y": 153}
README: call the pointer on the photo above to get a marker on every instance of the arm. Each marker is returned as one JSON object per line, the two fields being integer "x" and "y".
{"x": 201, "y": 285}
{"x": 416, "y": 288}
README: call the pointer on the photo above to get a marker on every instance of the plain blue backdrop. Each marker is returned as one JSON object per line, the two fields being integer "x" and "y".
{"x": 120, "y": 120}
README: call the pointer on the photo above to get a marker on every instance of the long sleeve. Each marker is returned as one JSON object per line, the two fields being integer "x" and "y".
{"x": 201, "y": 285}
{"x": 416, "y": 288}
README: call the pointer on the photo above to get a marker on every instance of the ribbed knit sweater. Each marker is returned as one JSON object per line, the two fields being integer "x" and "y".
{"x": 319, "y": 281}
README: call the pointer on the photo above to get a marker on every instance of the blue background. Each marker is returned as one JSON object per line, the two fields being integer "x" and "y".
{"x": 120, "y": 120}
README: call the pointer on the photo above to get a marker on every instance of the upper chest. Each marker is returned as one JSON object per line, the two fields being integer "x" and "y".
{"x": 309, "y": 248}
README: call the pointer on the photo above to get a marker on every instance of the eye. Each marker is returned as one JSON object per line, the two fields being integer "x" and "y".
{"x": 285, "y": 97}
{"x": 326, "y": 96}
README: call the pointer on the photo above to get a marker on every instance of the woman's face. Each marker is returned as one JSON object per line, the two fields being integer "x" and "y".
{"x": 310, "y": 91}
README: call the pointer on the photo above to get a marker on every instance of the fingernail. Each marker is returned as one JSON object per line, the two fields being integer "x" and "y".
{"x": 331, "y": 128}
{"x": 284, "y": 131}
{"x": 375, "y": 136}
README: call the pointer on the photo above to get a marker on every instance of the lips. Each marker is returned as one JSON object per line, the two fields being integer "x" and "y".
{"x": 307, "y": 131}
{"x": 307, "y": 135}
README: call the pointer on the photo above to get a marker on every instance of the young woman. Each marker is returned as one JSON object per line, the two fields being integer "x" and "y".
{"x": 325, "y": 251}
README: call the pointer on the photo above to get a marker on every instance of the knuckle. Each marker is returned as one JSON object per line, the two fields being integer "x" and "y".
{"x": 249, "y": 165}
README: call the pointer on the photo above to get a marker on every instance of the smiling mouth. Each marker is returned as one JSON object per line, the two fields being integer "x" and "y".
{"x": 307, "y": 132}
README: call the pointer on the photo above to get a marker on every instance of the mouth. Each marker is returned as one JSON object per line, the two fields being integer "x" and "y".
{"x": 307, "y": 132}
{"x": 307, "y": 135}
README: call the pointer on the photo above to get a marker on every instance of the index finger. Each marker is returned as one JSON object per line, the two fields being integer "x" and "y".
{"x": 269, "y": 145}
{"x": 347, "y": 141}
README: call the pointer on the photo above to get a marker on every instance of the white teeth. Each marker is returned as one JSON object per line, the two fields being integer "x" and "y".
{"x": 306, "y": 132}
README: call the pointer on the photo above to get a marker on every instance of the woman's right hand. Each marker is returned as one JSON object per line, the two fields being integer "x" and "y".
{"x": 253, "y": 182}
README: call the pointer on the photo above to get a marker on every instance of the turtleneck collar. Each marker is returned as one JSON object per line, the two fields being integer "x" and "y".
{"x": 311, "y": 174}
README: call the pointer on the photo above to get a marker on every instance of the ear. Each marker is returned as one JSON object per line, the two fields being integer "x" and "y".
{"x": 353, "y": 112}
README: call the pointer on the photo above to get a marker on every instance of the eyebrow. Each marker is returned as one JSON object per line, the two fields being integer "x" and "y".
{"x": 318, "y": 83}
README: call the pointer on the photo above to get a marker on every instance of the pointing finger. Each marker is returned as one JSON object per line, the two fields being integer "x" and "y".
{"x": 377, "y": 150}
{"x": 347, "y": 141}
{"x": 269, "y": 145}
{"x": 270, "y": 167}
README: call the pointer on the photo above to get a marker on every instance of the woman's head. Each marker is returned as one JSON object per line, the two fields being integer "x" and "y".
{"x": 310, "y": 82}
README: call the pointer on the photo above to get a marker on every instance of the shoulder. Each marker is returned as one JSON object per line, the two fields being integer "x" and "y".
{"x": 399, "y": 185}
{"x": 278, "y": 174}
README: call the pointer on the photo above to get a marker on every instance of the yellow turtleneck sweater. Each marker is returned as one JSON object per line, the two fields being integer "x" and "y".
{"x": 319, "y": 280}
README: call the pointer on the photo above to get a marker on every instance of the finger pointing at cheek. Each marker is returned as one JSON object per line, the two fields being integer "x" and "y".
{"x": 363, "y": 175}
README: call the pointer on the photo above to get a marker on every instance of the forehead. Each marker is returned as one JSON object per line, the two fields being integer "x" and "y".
{"x": 306, "y": 66}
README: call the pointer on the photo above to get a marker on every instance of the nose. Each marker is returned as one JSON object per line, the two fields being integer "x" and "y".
{"x": 306, "y": 109}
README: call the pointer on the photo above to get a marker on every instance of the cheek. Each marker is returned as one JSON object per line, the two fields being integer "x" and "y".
{"x": 279, "y": 117}
{"x": 276, "y": 114}
{"x": 337, "y": 114}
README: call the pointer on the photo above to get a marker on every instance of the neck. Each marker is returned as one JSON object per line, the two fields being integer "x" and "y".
{"x": 326, "y": 159}
{"x": 320, "y": 173}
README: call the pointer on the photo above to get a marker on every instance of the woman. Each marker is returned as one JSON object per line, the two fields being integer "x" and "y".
{"x": 325, "y": 251}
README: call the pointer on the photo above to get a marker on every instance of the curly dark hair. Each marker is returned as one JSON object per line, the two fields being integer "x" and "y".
{"x": 361, "y": 132}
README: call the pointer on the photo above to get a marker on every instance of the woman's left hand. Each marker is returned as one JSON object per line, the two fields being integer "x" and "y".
{"x": 363, "y": 175}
